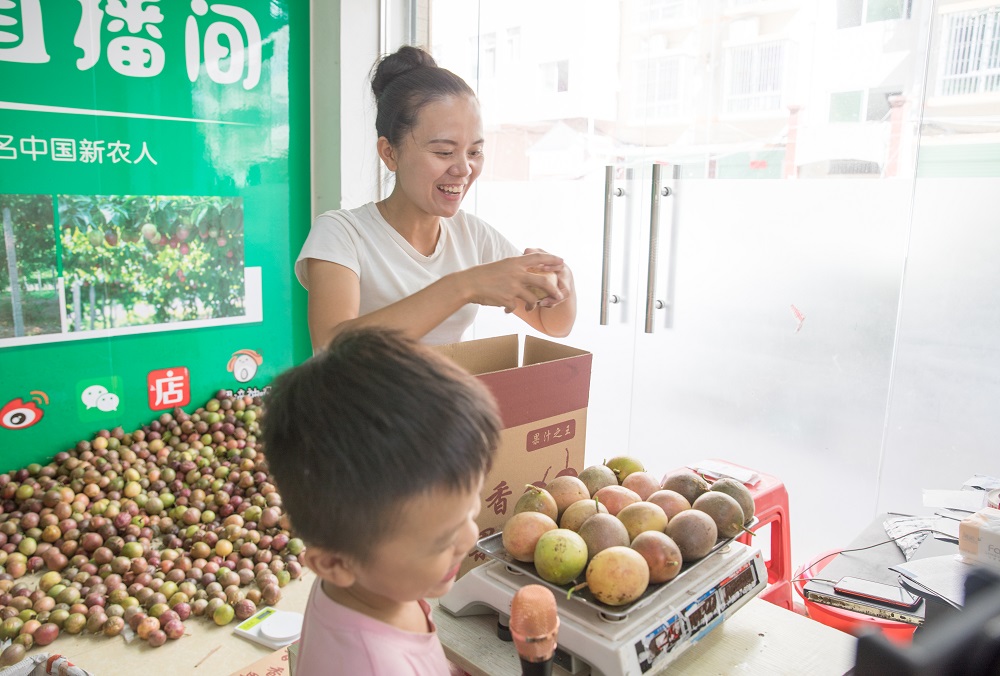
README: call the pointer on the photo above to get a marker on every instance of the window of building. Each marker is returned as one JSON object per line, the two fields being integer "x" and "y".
{"x": 878, "y": 103}
{"x": 857, "y": 106}
{"x": 846, "y": 106}
{"x": 971, "y": 54}
{"x": 653, "y": 11}
{"x": 658, "y": 87}
{"x": 851, "y": 13}
{"x": 555, "y": 76}
{"x": 754, "y": 77}
{"x": 513, "y": 42}
{"x": 488, "y": 57}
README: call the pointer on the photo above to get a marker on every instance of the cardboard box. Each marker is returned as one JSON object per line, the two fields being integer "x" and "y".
{"x": 979, "y": 537}
{"x": 278, "y": 663}
{"x": 543, "y": 403}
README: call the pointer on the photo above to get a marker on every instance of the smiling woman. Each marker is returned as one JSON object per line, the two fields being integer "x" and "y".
{"x": 416, "y": 261}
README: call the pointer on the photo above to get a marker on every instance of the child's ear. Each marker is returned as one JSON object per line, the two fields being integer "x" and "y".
{"x": 330, "y": 566}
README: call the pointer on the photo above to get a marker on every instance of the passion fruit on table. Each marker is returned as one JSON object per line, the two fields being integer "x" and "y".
{"x": 145, "y": 528}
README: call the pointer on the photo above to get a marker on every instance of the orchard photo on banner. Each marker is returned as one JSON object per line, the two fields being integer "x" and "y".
{"x": 141, "y": 260}
{"x": 121, "y": 264}
{"x": 29, "y": 291}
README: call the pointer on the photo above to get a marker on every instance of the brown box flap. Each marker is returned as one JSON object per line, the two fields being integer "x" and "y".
{"x": 540, "y": 391}
{"x": 538, "y": 350}
{"x": 484, "y": 355}
{"x": 554, "y": 380}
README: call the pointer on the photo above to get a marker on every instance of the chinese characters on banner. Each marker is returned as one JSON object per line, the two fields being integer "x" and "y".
{"x": 144, "y": 144}
{"x": 70, "y": 150}
{"x": 129, "y": 36}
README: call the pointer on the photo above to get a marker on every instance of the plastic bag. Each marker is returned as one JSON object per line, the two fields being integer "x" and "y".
{"x": 44, "y": 664}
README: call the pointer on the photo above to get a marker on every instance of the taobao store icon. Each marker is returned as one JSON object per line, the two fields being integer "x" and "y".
{"x": 168, "y": 388}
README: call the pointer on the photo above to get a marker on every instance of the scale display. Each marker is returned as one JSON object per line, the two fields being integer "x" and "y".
{"x": 696, "y": 618}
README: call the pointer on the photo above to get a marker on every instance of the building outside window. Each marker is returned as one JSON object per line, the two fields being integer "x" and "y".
{"x": 971, "y": 55}
{"x": 852, "y": 13}
{"x": 555, "y": 76}
{"x": 654, "y": 11}
{"x": 754, "y": 77}
{"x": 659, "y": 87}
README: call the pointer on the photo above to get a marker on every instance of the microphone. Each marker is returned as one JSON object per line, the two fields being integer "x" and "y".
{"x": 534, "y": 624}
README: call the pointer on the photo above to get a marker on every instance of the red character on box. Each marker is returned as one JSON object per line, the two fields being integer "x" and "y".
{"x": 498, "y": 500}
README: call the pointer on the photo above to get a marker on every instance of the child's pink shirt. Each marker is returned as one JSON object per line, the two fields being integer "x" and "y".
{"x": 339, "y": 640}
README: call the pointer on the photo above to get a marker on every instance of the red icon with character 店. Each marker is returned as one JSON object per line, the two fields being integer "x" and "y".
{"x": 169, "y": 388}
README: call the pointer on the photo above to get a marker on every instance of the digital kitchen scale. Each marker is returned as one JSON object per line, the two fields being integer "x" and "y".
{"x": 625, "y": 640}
{"x": 271, "y": 627}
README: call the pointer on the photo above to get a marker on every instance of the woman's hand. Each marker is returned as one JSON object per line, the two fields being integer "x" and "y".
{"x": 555, "y": 314}
{"x": 564, "y": 281}
{"x": 511, "y": 282}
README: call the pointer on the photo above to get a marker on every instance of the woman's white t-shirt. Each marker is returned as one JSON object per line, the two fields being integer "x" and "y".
{"x": 390, "y": 269}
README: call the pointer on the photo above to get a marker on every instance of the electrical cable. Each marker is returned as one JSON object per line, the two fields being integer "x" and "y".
{"x": 859, "y": 549}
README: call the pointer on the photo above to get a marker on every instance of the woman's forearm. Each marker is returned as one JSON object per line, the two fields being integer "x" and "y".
{"x": 415, "y": 315}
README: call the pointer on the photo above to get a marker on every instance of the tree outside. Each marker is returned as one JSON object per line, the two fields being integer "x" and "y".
{"x": 29, "y": 298}
{"x": 141, "y": 260}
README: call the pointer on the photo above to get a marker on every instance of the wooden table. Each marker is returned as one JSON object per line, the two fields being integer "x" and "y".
{"x": 205, "y": 650}
{"x": 760, "y": 638}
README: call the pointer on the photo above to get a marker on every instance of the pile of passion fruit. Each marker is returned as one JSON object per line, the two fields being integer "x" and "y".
{"x": 134, "y": 533}
{"x": 622, "y": 528}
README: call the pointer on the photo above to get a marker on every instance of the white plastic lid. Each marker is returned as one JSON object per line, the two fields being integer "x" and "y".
{"x": 282, "y": 626}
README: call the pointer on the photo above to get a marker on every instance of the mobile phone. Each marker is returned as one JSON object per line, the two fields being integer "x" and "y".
{"x": 877, "y": 591}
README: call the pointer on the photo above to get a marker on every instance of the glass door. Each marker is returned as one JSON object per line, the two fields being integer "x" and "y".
{"x": 788, "y": 135}
{"x": 547, "y": 76}
{"x": 787, "y": 237}
{"x": 942, "y": 424}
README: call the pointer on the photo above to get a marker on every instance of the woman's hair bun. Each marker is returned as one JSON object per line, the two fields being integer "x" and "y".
{"x": 403, "y": 60}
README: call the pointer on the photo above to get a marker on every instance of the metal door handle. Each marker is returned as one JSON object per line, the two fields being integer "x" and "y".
{"x": 654, "y": 235}
{"x": 610, "y": 192}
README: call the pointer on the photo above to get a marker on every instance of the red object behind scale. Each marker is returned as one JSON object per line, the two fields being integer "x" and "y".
{"x": 771, "y": 509}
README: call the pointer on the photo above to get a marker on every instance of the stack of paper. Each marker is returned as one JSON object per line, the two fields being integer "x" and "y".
{"x": 942, "y": 576}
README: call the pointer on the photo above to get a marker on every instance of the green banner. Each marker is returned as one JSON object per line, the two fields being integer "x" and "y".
{"x": 154, "y": 190}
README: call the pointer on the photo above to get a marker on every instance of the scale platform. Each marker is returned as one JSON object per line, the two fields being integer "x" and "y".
{"x": 638, "y": 638}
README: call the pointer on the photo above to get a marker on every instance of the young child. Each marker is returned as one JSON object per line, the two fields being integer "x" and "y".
{"x": 379, "y": 447}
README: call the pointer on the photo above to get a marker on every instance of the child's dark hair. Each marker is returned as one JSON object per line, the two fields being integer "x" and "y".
{"x": 373, "y": 420}
{"x": 403, "y": 83}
